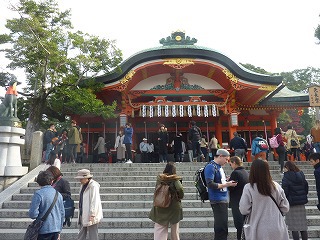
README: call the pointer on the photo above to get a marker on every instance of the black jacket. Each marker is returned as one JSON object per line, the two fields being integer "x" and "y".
{"x": 238, "y": 143}
{"x": 194, "y": 134}
{"x": 63, "y": 187}
{"x": 295, "y": 187}
{"x": 242, "y": 177}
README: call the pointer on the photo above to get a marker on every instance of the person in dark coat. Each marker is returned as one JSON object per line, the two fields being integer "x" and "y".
{"x": 59, "y": 183}
{"x": 296, "y": 189}
{"x": 163, "y": 140}
{"x": 178, "y": 150}
{"x": 315, "y": 162}
{"x": 241, "y": 176}
{"x": 195, "y": 135}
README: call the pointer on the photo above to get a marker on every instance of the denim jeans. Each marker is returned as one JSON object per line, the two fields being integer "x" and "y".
{"x": 220, "y": 215}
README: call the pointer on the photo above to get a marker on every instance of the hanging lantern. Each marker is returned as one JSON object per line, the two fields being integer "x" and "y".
{"x": 151, "y": 111}
{"x": 181, "y": 110}
{"x": 144, "y": 111}
{"x": 189, "y": 111}
{"x": 174, "y": 113}
{"x": 166, "y": 111}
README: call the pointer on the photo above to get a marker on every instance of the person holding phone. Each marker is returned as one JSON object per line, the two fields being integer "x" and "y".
{"x": 241, "y": 176}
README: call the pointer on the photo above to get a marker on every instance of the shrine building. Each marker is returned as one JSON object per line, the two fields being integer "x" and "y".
{"x": 178, "y": 82}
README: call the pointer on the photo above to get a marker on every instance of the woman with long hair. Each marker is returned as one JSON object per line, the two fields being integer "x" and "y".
{"x": 296, "y": 189}
{"x": 172, "y": 215}
{"x": 265, "y": 202}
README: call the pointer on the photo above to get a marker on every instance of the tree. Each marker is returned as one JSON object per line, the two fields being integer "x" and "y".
{"x": 300, "y": 80}
{"x": 56, "y": 60}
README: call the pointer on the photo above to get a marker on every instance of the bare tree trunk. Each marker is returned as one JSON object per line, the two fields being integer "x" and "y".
{"x": 35, "y": 116}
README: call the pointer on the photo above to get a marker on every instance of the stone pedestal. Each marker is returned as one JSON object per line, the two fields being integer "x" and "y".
{"x": 10, "y": 156}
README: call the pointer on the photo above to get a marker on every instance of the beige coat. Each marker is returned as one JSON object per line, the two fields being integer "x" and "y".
{"x": 91, "y": 204}
{"x": 100, "y": 145}
{"x": 291, "y": 134}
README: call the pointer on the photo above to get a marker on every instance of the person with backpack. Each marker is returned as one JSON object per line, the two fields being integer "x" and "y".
{"x": 172, "y": 214}
{"x": 195, "y": 135}
{"x": 241, "y": 176}
{"x": 259, "y": 147}
{"x": 280, "y": 149}
{"x": 218, "y": 192}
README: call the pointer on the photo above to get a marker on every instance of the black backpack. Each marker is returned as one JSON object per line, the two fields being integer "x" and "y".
{"x": 200, "y": 183}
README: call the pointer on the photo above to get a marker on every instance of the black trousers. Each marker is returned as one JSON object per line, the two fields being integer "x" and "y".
{"x": 238, "y": 220}
{"x": 220, "y": 215}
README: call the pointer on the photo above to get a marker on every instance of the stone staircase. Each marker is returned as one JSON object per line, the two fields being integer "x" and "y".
{"x": 126, "y": 194}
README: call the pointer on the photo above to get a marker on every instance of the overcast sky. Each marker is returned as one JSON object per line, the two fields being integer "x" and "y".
{"x": 277, "y": 35}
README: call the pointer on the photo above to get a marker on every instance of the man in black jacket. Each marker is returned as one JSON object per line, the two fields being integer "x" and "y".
{"x": 194, "y": 135}
{"x": 239, "y": 146}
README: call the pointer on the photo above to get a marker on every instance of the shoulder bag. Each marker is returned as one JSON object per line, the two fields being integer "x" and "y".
{"x": 276, "y": 204}
{"x": 33, "y": 229}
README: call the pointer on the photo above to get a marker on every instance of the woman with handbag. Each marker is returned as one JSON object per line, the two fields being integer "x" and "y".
{"x": 296, "y": 189}
{"x": 265, "y": 202}
{"x": 172, "y": 215}
{"x": 293, "y": 143}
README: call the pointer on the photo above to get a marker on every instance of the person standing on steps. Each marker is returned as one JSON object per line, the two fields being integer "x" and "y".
{"x": 101, "y": 146}
{"x": 127, "y": 141}
{"x": 241, "y": 176}
{"x": 90, "y": 207}
{"x": 315, "y": 162}
{"x": 172, "y": 215}
{"x": 239, "y": 146}
{"x": 296, "y": 189}
{"x": 265, "y": 202}
{"x": 144, "y": 149}
{"x": 218, "y": 192}
{"x": 74, "y": 135}
{"x": 195, "y": 135}
{"x": 163, "y": 142}
{"x": 315, "y": 133}
{"x": 120, "y": 147}
{"x": 41, "y": 202}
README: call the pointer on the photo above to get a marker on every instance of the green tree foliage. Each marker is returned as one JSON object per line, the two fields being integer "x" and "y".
{"x": 254, "y": 68}
{"x": 56, "y": 60}
{"x": 300, "y": 80}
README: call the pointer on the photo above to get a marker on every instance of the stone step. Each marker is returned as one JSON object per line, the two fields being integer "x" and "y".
{"x": 141, "y": 233}
{"x": 187, "y": 222}
{"x": 131, "y": 204}
{"x": 138, "y": 212}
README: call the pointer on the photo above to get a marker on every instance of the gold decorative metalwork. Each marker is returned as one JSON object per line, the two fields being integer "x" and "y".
{"x": 127, "y": 77}
{"x": 230, "y": 76}
{"x": 235, "y": 83}
{"x": 178, "y": 63}
{"x": 267, "y": 87}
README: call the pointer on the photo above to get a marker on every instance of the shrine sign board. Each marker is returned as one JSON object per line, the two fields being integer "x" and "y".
{"x": 314, "y": 96}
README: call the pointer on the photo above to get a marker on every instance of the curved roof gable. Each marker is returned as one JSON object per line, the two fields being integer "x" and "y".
{"x": 179, "y": 46}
